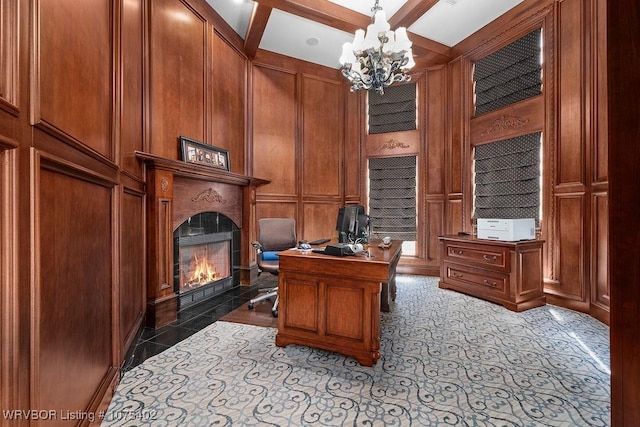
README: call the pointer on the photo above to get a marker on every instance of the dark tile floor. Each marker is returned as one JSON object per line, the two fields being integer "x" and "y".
{"x": 191, "y": 320}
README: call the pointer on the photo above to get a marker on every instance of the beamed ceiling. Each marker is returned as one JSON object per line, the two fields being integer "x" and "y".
{"x": 314, "y": 30}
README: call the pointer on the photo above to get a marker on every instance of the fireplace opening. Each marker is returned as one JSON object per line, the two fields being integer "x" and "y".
{"x": 206, "y": 257}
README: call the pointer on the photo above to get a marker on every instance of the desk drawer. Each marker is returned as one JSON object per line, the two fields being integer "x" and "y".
{"x": 485, "y": 281}
{"x": 493, "y": 257}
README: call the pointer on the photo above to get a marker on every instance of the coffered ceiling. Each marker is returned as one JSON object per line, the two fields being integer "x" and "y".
{"x": 314, "y": 30}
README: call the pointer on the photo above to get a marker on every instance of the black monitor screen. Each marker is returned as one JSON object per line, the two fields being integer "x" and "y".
{"x": 348, "y": 221}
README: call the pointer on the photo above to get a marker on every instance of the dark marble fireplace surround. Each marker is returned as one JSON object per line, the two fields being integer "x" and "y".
{"x": 203, "y": 231}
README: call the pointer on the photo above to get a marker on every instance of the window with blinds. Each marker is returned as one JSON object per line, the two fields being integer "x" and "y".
{"x": 507, "y": 178}
{"x": 509, "y": 75}
{"x": 394, "y": 111}
{"x": 392, "y": 197}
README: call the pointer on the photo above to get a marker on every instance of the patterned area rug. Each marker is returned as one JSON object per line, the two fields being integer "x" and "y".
{"x": 446, "y": 359}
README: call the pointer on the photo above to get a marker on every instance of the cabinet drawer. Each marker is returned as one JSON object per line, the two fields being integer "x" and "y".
{"x": 487, "y": 281}
{"x": 493, "y": 257}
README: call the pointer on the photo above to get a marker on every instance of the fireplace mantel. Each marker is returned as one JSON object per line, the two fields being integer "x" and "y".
{"x": 177, "y": 190}
{"x": 195, "y": 171}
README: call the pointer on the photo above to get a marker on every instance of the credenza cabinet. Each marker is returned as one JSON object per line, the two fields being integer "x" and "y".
{"x": 507, "y": 273}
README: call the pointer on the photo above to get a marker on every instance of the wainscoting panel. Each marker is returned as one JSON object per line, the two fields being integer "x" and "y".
{"x": 132, "y": 274}
{"x": 10, "y": 378}
{"x": 600, "y": 291}
{"x": 435, "y": 228}
{"x": 72, "y": 290}
{"x": 570, "y": 251}
{"x": 454, "y": 209}
{"x": 277, "y": 209}
{"x": 72, "y": 93}
{"x": 319, "y": 220}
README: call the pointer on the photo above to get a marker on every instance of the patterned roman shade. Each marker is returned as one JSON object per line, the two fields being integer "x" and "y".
{"x": 507, "y": 178}
{"x": 392, "y": 197}
{"x": 509, "y": 75}
{"x": 394, "y": 111}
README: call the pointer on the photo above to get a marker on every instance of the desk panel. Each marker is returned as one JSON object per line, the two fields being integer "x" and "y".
{"x": 333, "y": 303}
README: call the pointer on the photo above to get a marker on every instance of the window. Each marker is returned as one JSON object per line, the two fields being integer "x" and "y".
{"x": 392, "y": 198}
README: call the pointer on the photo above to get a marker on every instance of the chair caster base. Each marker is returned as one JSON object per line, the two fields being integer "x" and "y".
{"x": 251, "y": 306}
{"x": 274, "y": 313}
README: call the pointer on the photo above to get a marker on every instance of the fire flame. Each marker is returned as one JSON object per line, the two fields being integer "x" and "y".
{"x": 203, "y": 272}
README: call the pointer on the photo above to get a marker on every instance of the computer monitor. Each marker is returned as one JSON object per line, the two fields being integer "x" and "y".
{"x": 351, "y": 223}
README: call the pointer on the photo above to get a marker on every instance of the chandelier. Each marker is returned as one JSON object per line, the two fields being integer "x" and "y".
{"x": 379, "y": 58}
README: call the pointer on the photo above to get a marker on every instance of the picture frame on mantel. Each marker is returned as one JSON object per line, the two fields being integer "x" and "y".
{"x": 204, "y": 154}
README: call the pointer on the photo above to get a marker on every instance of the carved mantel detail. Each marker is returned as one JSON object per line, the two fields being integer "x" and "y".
{"x": 504, "y": 123}
{"x": 210, "y": 195}
{"x": 164, "y": 184}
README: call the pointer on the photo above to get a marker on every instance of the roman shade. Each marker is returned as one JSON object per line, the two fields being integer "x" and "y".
{"x": 392, "y": 197}
{"x": 508, "y": 75}
{"x": 507, "y": 178}
{"x": 394, "y": 111}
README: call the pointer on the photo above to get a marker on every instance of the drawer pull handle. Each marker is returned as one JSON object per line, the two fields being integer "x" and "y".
{"x": 488, "y": 283}
{"x": 454, "y": 274}
{"x": 458, "y": 252}
{"x": 489, "y": 258}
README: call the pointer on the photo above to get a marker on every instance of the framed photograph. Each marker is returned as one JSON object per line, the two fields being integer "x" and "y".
{"x": 196, "y": 152}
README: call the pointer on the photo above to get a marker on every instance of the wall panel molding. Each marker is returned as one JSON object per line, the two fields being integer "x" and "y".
{"x": 71, "y": 94}
{"x": 72, "y": 285}
{"x": 9, "y": 60}
{"x": 9, "y": 291}
{"x": 321, "y": 144}
{"x": 179, "y": 54}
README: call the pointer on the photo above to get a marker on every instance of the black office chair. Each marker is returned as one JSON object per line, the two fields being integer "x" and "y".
{"x": 274, "y": 235}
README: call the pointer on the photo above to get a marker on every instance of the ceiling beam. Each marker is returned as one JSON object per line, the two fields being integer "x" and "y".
{"x": 420, "y": 42}
{"x": 324, "y": 12}
{"x": 410, "y": 12}
{"x": 257, "y": 25}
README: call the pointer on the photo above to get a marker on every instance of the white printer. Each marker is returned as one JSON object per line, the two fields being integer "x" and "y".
{"x": 509, "y": 230}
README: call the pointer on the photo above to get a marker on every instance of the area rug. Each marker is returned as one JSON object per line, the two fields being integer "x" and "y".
{"x": 446, "y": 359}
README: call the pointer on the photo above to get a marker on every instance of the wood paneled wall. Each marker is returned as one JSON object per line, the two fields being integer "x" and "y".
{"x": 572, "y": 115}
{"x": 72, "y": 194}
{"x": 298, "y": 143}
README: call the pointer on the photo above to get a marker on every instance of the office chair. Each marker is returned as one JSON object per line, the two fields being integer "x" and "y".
{"x": 274, "y": 235}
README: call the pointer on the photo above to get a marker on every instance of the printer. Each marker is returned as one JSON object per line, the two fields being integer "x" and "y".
{"x": 510, "y": 230}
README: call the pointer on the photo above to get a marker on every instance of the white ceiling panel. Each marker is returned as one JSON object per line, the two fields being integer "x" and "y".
{"x": 236, "y": 13}
{"x": 449, "y": 23}
{"x": 304, "y": 39}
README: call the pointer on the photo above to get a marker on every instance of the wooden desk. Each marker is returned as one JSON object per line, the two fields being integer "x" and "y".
{"x": 333, "y": 303}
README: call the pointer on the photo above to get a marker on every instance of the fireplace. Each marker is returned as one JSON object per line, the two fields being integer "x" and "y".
{"x": 206, "y": 254}
{"x": 199, "y": 210}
